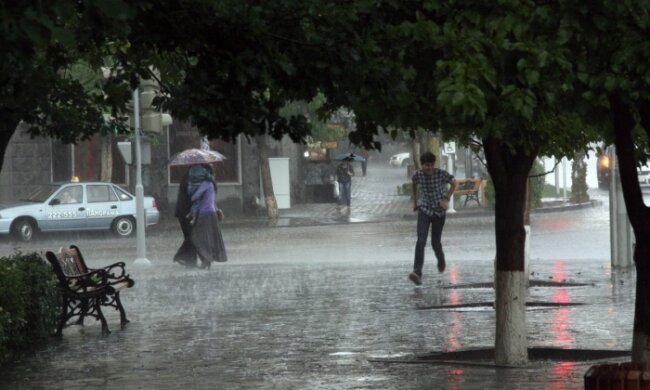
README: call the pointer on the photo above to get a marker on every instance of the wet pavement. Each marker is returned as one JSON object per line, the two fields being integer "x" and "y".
{"x": 323, "y": 305}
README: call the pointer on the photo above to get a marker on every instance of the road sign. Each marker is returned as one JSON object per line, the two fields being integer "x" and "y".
{"x": 449, "y": 147}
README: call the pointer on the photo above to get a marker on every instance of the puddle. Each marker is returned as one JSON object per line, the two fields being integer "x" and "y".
{"x": 532, "y": 283}
{"x": 485, "y": 356}
{"x": 489, "y": 306}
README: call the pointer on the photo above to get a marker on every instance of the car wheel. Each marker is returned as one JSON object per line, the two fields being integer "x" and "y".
{"x": 405, "y": 162}
{"x": 23, "y": 230}
{"x": 123, "y": 226}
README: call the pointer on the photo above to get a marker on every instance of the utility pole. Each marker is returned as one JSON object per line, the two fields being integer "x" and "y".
{"x": 141, "y": 258}
{"x": 620, "y": 230}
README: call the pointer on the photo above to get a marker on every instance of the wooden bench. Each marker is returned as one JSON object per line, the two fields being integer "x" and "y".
{"x": 617, "y": 376}
{"x": 470, "y": 188}
{"x": 86, "y": 290}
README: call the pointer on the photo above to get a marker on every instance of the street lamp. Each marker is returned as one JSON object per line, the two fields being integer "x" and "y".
{"x": 141, "y": 257}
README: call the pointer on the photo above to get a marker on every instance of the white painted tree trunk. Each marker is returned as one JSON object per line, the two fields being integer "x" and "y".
{"x": 511, "y": 344}
{"x": 640, "y": 347}
{"x": 527, "y": 258}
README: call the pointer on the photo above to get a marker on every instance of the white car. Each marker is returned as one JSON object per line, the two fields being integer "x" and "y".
{"x": 400, "y": 160}
{"x": 75, "y": 206}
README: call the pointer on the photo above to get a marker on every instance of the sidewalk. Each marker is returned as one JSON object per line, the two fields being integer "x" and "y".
{"x": 329, "y": 317}
{"x": 328, "y": 306}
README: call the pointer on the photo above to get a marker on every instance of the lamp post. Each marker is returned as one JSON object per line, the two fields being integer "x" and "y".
{"x": 141, "y": 257}
{"x": 450, "y": 151}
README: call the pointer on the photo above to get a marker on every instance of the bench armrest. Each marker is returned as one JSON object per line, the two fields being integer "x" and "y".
{"x": 89, "y": 281}
{"x": 115, "y": 270}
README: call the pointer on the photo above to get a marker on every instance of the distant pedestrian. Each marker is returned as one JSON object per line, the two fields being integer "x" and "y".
{"x": 344, "y": 173}
{"x": 364, "y": 164}
{"x": 430, "y": 199}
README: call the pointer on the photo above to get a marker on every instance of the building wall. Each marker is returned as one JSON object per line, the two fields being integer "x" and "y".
{"x": 27, "y": 165}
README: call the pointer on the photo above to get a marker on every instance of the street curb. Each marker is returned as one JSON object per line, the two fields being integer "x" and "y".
{"x": 488, "y": 212}
{"x": 568, "y": 206}
{"x": 302, "y": 221}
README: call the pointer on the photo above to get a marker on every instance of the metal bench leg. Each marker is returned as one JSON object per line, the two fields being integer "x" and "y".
{"x": 63, "y": 318}
{"x": 100, "y": 315}
{"x": 123, "y": 319}
{"x": 84, "y": 309}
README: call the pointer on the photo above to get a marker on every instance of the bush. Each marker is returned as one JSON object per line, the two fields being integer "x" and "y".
{"x": 405, "y": 189}
{"x": 536, "y": 184}
{"x": 30, "y": 303}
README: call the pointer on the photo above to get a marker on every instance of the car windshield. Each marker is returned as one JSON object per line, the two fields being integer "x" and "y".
{"x": 42, "y": 193}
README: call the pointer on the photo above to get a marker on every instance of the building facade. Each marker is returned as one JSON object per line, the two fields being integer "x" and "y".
{"x": 30, "y": 163}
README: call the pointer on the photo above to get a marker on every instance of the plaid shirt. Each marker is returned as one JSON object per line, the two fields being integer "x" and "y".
{"x": 431, "y": 190}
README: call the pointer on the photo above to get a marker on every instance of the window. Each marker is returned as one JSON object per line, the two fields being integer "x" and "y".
{"x": 123, "y": 195}
{"x": 70, "y": 195}
{"x": 88, "y": 159}
{"x": 100, "y": 193}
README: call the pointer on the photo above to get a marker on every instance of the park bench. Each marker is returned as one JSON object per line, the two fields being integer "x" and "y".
{"x": 470, "y": 188}
{"x": 86, "y": 290}
{"x": 626, "y": 375}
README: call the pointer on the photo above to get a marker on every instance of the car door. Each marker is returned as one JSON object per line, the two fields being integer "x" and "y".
{"x": 103, "y": 206}
{"x": 65, "y": 210}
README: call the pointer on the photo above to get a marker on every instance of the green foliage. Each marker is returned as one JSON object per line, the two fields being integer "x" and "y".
{"x": 30, "y": 303}
{"x": 579, "y": 188}
{"x": 536, "y": 187}
{"x": 488, "y": 194}
{"x": 549, "y": 191}
{"x": 405, "y": 189}
{"x": 536, "y": 184}
{"x": 321, "y": 130}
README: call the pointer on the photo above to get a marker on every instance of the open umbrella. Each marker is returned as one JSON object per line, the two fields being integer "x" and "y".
{"x": 349, "y": 157}
{"x": 195, "y": 156}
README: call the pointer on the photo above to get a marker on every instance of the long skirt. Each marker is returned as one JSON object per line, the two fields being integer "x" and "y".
{"x": 186, "y": 254}
{"x": 207, "y": 240}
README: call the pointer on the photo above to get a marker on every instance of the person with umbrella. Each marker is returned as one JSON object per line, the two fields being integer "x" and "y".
{"x": 204, "y": 239}
{"x": 206, "y": 234}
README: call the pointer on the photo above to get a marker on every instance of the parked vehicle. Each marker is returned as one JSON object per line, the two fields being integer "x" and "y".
{"x": 75, "y": 206}
{"x": 400, "y": 160}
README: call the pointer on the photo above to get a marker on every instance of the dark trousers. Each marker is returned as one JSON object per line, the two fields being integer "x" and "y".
{"x": 345, "y": 193}
{"x": 436, "y": 223}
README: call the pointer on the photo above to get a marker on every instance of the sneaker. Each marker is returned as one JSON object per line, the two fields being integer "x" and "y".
{"x": 415, "y": 278}
{"x": 441, "y": 266}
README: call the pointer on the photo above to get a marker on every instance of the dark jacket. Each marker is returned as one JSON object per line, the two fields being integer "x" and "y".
{"x": 183, "y": 200}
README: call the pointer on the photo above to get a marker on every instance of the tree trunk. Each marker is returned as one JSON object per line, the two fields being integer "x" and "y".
{"x": 7, "y": 129}
{"x": 509, "y": 173}
{"x": 415, "y": 153}
{"x": 579, "y": 179}
{"x": 267, "y": 183}
{"x": 106, "y": 158}
{"x": 639, "y": 215}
